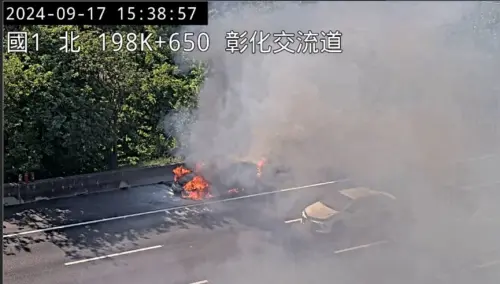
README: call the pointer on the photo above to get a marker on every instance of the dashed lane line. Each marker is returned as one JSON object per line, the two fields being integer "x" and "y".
{"x": 487, "y": 264}
{"x": 293, "y": 221}
{"x": 360, "y": 247}
{"x": 44, "y": 230}
{"x": 111, "y": 255}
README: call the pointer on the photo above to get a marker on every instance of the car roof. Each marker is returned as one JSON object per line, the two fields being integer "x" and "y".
{"x": 361, "y": 192}
{"x": 336, "y": 200}
{"x": 339, "y": 200}
{"x": 358, "y": 192}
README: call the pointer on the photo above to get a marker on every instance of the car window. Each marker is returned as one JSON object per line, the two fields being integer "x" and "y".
{"x": 335, "y": 200}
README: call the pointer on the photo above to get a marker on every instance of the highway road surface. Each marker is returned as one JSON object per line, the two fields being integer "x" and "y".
{"x": 248, "y": 240}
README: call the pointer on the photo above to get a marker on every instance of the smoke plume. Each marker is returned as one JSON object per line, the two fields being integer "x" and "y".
{"x": 413, "y": 94}
{"x": 406, "y": 94}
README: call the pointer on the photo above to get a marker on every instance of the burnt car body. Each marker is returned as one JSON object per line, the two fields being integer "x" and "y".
{"x": 177, "y": 186}
{"x": 226, "y": 181}
{"x": 353, "y": 207}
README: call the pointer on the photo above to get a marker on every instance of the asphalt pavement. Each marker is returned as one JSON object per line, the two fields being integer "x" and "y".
{"x": 239, "y": 241}
{"x": 41, "y": 256}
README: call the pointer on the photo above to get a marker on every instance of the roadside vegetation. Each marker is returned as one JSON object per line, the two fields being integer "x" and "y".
{"x": 73, "y": 113}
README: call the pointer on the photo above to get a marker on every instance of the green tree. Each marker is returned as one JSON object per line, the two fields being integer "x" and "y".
{"x": 70, "y": 113}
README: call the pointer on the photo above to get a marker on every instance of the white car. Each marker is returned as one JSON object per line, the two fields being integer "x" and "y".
{"x": 359, "y": 206}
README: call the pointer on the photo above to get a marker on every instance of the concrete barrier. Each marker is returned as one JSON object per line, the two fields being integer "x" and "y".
{"x": 20, "y": 193}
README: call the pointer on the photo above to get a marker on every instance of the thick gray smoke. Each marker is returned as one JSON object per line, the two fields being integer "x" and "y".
{"x": 414, "y": 91}
{"x": 405, "y": 95}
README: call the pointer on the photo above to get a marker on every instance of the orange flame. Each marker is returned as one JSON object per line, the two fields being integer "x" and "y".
{"x": 197, "y": 183}
{"x": 260, "y": 166}
{"x": 197, "y": 189}
{"x": 179, "y": 172}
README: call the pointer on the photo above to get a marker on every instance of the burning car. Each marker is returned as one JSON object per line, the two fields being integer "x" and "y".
{"x": 360, "y": 207}
{"x": 209, "y": 181}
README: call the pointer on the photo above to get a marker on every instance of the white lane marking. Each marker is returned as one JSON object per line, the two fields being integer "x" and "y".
{"x": 44, "y": 230}
{"x": 360, "y": 247}
{"x": 293, "y": 221}
{"x": 491, "y": 2}
{"x": 112, "y": 255}
{"x": 487, "y": 264}
{"x": 483, "y": 157}
{"x": 478, "y": 187}
{"x": 200, "y": 282}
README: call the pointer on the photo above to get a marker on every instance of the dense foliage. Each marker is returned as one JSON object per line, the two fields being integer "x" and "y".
{"x": 71, "y": 113}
